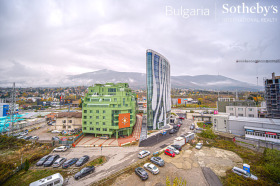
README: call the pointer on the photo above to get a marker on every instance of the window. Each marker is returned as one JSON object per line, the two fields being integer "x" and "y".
{"x": 51, "y": 184}
{"x": 103, "y": 117}
{"x": 231, "y": 109}
{"x": 104, "y": 111}
{"x": 64, "y": 127}
{"x": 97, "y": 111}
{"x": 90, "y": 123}
{"x": 85, "y": 122}
{"x": 70, "y": 121}
{"x": 85, "y": 128}
{"x": 103, "y": 123}
{"x": 69, "y": 126}
{"x": 251, "y": 115}
{"x": 240, "y": 109}
{"x": 115, "y": 99}
{"x": 85, "y": 117}
{"x": 231, "y": 114}
{"x": 97, "y": 123}
{"x": 250, "y": 109}
{"x": 90, "y": 111}
{"x": 97, "y": 117}
{"x": 57, "y": 182}
{"x": 240, "y": 114}
{"x": 90, "y": 117}
{"x": 63, "y": 121}
{"x": 105, "y": 129}
{"x": 85, "y": 111}
{"x": 111, "y": 89}
{"x": 91, "y": 128}
{"x": 98, "y": 129}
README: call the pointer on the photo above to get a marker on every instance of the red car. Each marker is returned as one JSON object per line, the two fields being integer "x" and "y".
{"x": 179, "y": 125}
{"x": 181, "y": 118}
{"x": 169, "y": 152}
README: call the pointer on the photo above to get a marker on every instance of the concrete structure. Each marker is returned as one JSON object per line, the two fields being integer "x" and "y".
{"x": 109, "y": 109}
{"x": 242, "y": 111}
{"x": 158, "y": 90}
{"x": 272, "y": 96}
{"x": 68, "y": 121}
{"x": 223, "y": 102}
{"x": 251, "y": 128}
{"x": 183, "y": 101}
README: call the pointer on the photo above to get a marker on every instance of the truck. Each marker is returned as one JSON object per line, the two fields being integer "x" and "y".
{"x": 179, "y": 141}
{"x": 54, "y": 180}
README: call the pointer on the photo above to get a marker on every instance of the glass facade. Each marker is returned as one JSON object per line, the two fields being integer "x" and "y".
{"x": 158, "y": 90}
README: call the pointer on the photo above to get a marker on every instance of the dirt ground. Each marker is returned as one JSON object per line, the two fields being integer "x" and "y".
{"x": 188, "y": 166}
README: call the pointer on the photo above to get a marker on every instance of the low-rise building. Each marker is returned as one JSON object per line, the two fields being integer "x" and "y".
{"x": 242, "y": 111}
{"x": 68, "y": 121}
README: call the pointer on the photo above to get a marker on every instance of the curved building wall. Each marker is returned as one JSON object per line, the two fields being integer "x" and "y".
{"x": 158, "y": 90}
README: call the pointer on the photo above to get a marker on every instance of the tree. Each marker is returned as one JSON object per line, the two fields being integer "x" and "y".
{"x": 26, "y": 165}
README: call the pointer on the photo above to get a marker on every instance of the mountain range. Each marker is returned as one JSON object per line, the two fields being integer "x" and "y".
{"x": 138, "y": 80}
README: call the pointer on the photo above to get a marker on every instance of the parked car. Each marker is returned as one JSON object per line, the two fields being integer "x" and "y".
{"x": 198, "y": 128}
{"x": 85, "y": 171}
{"x": 63, "y": 139}
{"x": 176, "y": 127}
{"x": 20, "y": 137}
{"x": 178, "y": 147}
{"x": 172, "y": 131}
{"x": 34, "y": 138}
{"x": 244, "y": 173}
{"x": 169, "y": 152}
{"x": 198, "y": 146}
{"x": 151, "y": 167}
{"x": 59, "y": 162}
{"x": 51, "y": 160}
{"x": 59, "y": 149}
{"x": 181, "y": 118}
{"x": 43, "y": 160}
{"x": 173, "y": 149}
{"x": 192, "y": 127}
{"x": 27, "y": 137}
{"x": 55, "y": 138}
{"x": 141, "y": 173}
{"x": 158, "y": 161}
{"x": 69, "y": 162}
{"x": 82, "y": 160}
{"x": 23, "y": 133}
{"x": 56, "y": 131}
{"x": 143, "y": 154}
{"x": 104, "y": 137}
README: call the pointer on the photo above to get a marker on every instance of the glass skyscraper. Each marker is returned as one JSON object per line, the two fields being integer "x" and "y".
{"x": 158, "y": 90}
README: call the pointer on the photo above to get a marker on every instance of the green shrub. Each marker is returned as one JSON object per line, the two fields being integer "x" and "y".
{"x": 208, "y": 133}
{"x": 26, "y": 165}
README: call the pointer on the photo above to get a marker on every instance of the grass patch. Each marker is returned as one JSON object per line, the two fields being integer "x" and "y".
{"x": 97, "y": 161}
{"x": 203, "y": 125}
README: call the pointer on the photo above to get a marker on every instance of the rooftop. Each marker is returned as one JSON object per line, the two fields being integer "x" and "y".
{"x": 69, "y": 115}
{"x": 255, "y": 120}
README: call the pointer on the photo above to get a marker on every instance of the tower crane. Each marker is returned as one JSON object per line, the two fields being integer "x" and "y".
{"x": 258, "y": 61}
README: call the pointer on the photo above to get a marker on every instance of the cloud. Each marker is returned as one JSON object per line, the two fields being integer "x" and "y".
{"x": 52, "y": 39}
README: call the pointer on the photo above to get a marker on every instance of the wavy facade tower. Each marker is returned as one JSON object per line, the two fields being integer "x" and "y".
{"x": 158, "y": 90}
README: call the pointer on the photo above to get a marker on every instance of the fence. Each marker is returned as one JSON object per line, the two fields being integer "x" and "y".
{"x": 70, "y": 142}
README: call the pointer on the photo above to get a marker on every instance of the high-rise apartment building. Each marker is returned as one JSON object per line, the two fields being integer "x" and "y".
{"x": 109, "y": 109}
{"x": 272, "y": 96}
{"x": 158, "y": 90}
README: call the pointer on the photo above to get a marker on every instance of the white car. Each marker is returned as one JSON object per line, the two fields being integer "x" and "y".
{"x": 56, "y": 131}
{"x": 173, "y": 149}
{"x": 143, "y": 154}
{"x": 198, "y": 146}
{"x": 151, "y": 167}
{"x": 60, "y": 149}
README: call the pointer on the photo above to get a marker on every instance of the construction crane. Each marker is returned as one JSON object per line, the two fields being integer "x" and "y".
{"x": 258, "y": 61}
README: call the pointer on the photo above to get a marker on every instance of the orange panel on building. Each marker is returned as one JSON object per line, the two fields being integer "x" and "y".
{"x": 124, "y": 120}
{"x": 179, "y": 101}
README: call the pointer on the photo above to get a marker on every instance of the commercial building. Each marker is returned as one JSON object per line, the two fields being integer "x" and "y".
{"x": 109, "y": 109}
{"x": 242, "y": 111}
{"x": 223, "y": 102}
{"x": 158, "y": 90}
{"x": 4, "y": 109}
{"x": 272, "y": 96}
{"x": 68, "y": 121}
{"x": 251, "y": 128}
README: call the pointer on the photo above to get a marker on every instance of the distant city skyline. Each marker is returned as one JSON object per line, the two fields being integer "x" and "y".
{"x": 43, "y": 41}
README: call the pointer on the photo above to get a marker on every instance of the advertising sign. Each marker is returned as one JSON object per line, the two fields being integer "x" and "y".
{"x": 270, "y": 133}
{"x": 124, "y": 120}
{"x": 179, "y": 101}
{"x": 216, "y": 112}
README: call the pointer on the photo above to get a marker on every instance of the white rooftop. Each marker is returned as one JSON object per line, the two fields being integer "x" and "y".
{"x": 256, "y": 120}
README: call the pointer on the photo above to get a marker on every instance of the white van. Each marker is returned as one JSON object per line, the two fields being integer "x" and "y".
{"x": 53, "y": 180}
{"x": 244, "y": 173}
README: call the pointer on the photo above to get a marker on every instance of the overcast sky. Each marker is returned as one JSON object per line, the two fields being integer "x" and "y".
{"x": 42, "y": 40}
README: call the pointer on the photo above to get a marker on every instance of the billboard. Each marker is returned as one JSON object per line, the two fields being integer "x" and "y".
{"x": 179, "y": 101}
{"x": 124, "y": 120}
